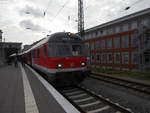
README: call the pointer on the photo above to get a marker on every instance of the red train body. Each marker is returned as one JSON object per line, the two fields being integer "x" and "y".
{"x": 61, "y": 57}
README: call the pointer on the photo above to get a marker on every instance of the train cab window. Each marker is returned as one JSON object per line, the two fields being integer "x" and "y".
{"x": 63, "y": 50}
{"x": 59, "y": 50}
{"x": 76, "y": 50}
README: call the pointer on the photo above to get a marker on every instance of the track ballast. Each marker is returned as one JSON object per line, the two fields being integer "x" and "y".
{"x": 89, "y": 102}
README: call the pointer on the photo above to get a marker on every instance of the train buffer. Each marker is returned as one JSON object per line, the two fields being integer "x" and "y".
{"x": 22, "y": 90}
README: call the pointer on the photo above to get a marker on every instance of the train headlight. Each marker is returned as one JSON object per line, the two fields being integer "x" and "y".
{"x": 82, "y": 63}
{"x": 59, "y": 65}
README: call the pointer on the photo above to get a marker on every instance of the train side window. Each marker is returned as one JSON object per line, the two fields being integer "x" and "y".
{"x": 45, "y": 51}
{"x": 34, "y": 52}
{"x": 38, "y": 53}
{"x": 34, "y": 55}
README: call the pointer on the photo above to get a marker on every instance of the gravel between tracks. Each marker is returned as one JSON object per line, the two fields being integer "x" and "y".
{"x": 119, "y": 95}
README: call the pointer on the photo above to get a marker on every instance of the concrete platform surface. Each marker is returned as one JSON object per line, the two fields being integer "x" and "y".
{"x": 11, "y": 90}
{"x": 22, "y": 90}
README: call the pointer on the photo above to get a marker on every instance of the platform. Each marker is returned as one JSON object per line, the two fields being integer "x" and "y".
{"x": 22, "y": 90}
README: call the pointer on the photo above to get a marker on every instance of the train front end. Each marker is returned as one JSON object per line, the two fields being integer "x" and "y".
{"x": 67, "y": 59}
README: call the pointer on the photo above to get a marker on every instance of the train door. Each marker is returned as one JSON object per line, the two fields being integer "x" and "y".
{"x": 32, "y": 57}
{"x": 45, "y": 55}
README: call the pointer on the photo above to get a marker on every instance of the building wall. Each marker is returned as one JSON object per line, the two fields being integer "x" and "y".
{"x": 6, "y": 49}
{"x": 112, "y": 46}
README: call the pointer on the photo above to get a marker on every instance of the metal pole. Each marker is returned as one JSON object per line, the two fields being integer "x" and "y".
{"x": 80, "y": 18}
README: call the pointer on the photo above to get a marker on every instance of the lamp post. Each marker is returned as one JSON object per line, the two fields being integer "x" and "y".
{"x": 1, "y": 47}
{"x": 1, "y": 35}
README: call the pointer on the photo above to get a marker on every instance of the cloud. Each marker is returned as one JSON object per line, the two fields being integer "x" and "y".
{"x": 32, "y": 11}
{"x": 28, "y": 24}
{"x": 96, "y": 12}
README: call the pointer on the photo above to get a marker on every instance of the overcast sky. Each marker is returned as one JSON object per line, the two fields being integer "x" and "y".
{"x": 17, "y": 16}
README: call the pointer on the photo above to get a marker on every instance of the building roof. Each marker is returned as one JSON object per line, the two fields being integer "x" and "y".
{"x": 10, "y": 44}
{"x": 124, "y": 18}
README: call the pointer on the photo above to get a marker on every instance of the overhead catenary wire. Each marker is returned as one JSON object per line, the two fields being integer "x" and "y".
{"x": 47, "y": 7}
{"x": 63, "y": 6}
{"x": 60, "y": 10}
{"x": 121, "y": 9}
{"x": 134, "y": 3}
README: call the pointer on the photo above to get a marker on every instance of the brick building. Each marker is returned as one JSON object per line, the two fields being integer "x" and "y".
{"x": 123, "y": 43}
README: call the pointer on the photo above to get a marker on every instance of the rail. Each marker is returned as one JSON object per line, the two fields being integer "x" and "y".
{"x": 89, "y": 102}
{"x": 137, "y": 86}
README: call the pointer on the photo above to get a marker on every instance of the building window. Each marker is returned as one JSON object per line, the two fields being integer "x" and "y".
{"x": 87, "y": 45}
{"x": 146, "y": 58}
{"x": 96, "y": 33}
{"x": 109, "y": 31}
{"x": 139, "y": 22}
{"x": 110, "y": 58}
{"x": 109, "y": 43}
{"x": 134, "y": 25}
{"x": 117, "y": 58}
{"x": 135, "y": 58}
{"x": 117, "y": 42}
{"x": 117, "y": 29}
{"x": 125, "y": 58}
{"x": 92, "y": 45}
{"x": 93, "y": 35}
{"x": 121, "y": 27}
{"x": 104, "y": 32}
{"x": 103, "y": 44}
{"x": 101, "y": 32}
{"x": 88, "y": 36}
{"x": 92, "y": 58}
{"x": 145, "y": 21}
{"x": 114, "y": 30}
{"x": 104, "y": 58}
{"x": 125, "y": 42}
{"x": 98, "y": 57}
{"x": 125, "y": 27}
{"x": 129, "y": 25}
{"x": 98, "y": 44}
{"x": 87, "y": 48}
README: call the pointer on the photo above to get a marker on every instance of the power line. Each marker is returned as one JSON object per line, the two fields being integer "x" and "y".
{"x": 134, "y": 3}
{"x": 60, "y": 10}
{"x": 47, "y": 7}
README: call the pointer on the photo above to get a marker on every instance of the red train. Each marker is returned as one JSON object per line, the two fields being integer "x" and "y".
{"x": 61, "y": 56}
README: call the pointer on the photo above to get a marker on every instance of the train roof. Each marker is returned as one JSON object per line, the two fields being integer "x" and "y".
{"x": 64, "y": 35}
{"x": 54, "y": 37}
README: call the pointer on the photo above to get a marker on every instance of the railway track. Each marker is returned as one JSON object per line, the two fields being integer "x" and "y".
{"x": 136, "y": 86}
{"x": 89, "y": 102}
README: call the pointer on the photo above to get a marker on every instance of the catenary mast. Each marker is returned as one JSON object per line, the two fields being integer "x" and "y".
{"x": 80, "y": 18}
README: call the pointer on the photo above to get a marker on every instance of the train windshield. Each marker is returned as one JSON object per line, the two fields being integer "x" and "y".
{"x": 65, "y": 49}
